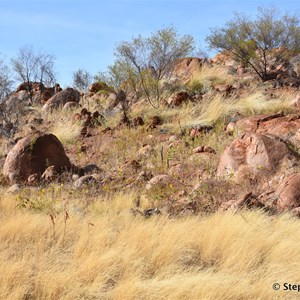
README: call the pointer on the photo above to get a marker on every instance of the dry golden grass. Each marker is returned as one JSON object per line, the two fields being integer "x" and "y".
{"x": 103, "y": 252}
{"x": 209, "y": 75}
{"x": 219, "y": 108}
{"x": 62, "y": 125}
{"x": 173, "y": 117}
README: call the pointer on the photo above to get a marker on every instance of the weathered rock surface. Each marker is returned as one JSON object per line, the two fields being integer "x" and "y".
{"x": 61, "y": 98}
{"x": 32, "y": 155}
{"x": 162, "y": 179}
{"x": 185, "y": 68}
{"x": 99, "y": 86}
{"x": 254, "y": 154}
{"x": 276, "y": 124}
{"x": 288, "y": 193}
{"x": 49, "y": 174}
{"x": 179, "y": 98}
{"x": 85, "y": 181}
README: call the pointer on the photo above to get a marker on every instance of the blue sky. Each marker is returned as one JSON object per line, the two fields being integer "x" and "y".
{"x": 84, "y": 33}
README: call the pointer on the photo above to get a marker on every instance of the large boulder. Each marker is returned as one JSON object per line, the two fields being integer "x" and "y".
{"x": 288, "y": 193}
{"x": 30, "y": 86}
{"x": 32, "y": 155}
{"x": 185, "y": 68}
{"x": 61, "y": 98}
{"x": 17, "y": 100}
{"x": 99, "y": 86}
{"x": 276, "y": 124}
{"x": 253, "y": 155}
{"x": 42, "y": 96}
{"x": 179, "y": 98}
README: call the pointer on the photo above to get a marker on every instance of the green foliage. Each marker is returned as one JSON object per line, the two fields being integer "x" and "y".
{"x": 148, "y": 60}
{"x": 195, "y": 86}
{"x": 262, "y": 43}
{"x": 120, "y": 76}
{"x": 44, "y": 200}
{"x": 32, "y": 143}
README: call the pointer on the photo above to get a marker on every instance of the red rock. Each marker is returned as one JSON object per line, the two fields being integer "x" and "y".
{"x": 276, "y": 124}
{"x": 179, "y": 98}
{"x": 161, "y": 180}
{"x": 226, "y": 89}
{"x": 288, "y": 193}
{"x": 185, "y": 68}
{"x": 253, "y": 154}
{"x": 99, "y": 86}
{"x": 61, "y": 98}
{"x": 49, "y": 174}
{"x": 32, "y": 155}
{"x": 154, "y": 121}
{"x": 138, "y": 121}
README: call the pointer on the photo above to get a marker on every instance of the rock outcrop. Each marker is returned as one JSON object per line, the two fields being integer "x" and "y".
{"x": 61, "y": 98}
{"x": 32, "y": 155}
{"x": 288, "y": 193}
{"x": 253, "y": 155}
{"x": 276, "y": 124}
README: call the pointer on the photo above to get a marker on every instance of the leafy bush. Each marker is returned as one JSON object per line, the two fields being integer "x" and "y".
{"x": 195, "y": 86}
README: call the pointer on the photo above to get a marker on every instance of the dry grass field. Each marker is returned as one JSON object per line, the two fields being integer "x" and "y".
{"x": 59, "y": 242}
{"x": 68, "y": 249}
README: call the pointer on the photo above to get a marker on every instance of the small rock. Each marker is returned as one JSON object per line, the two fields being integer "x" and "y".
{"x": 173, "y": 138}
{"x": 84, "y": 181}
{"x": 138, "y": 121}
{"x": 90, "y": 169}
{"x": 151, "y": 212}
{"x": 179, "y": 98}
{"x": 15, "y": 188}
{"x": 49, "y": 174}
{"x": 75, "y": 177}
{"x": 154, "y": 122}
{"x": 33, "y": 179}
{"x": 203, "y": 149}
{"x": 158, "y": 179}
{"x": 230, "y": 128}
{"x": 146, "y": 151}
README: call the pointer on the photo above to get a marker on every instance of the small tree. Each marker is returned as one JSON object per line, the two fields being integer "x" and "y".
{"x": 122, "y": 79}
{"x": 152, "y": 59}
{"x": 261, "y": 44}
{"x": 5, "y": 81}
{"x": 82, "y": 79}
{"x": 33, "y": 67}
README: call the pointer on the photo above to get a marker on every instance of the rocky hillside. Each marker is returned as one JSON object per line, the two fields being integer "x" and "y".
{"x": 106, "y": 197}
{"x": 220, "y": 140}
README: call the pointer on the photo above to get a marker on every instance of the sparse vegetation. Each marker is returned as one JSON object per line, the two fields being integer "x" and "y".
{"x": 217, "y": 108}
{"x": 212, "y": 75}
{"x": 193, "y": 197}
{"x": 153, "y": 58}
{"x": 82, "y": 79}
{"x": 262, "y": 44}
{"x": 5, "y": 80}
{"x": 33, "y": 67}
{"x": 102, "y": 251}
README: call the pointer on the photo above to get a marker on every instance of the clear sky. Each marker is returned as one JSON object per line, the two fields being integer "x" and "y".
{"x": 84, "y": 33}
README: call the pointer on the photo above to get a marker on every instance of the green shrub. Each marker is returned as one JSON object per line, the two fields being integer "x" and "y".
{"x": 195, "y": 86}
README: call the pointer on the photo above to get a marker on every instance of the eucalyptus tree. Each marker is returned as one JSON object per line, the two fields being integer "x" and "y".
{"x": 262, "y": 43}
{"x": 151, "y": 59}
